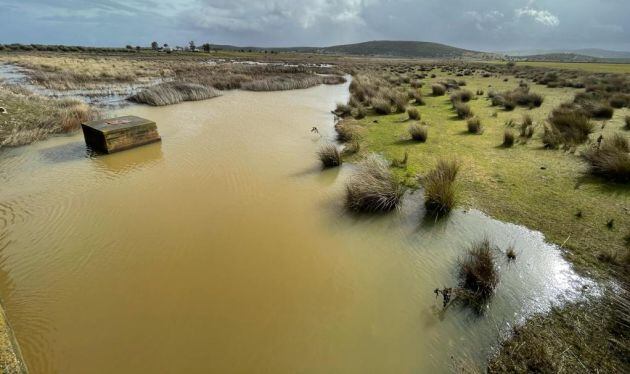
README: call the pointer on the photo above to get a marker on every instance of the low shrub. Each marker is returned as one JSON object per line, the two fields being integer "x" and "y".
{"x": 418, "y": 132}
{"x": 373, "y": 188}
{"x": 440, "y": 194}
{"x": 329, "y": 155}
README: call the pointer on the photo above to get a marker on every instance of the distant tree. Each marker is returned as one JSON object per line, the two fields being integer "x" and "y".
{"x": 137, "y": 48}
{"x": 155, "y": 46}
{"x": 129, "y": 46}
{"x": 191, "y": 45}
{"x": 165, "y": 45}
{"x": 206, "y": 47}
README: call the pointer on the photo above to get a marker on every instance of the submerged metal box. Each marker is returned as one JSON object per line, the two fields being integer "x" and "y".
{"x": 117, "y": 134}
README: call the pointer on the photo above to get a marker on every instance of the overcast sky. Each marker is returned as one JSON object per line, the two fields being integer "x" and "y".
{"x": 489, "y": 25}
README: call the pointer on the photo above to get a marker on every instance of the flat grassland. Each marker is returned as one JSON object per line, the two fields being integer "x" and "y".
{"x": 525, "y": 184}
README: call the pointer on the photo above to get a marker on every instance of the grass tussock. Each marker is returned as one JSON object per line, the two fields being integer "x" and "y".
{"x": 508, "y": 138}
{"x": 462, "y": 110}
{"x": 329, "y": 155}
{"x": 418, "y": 132}
{"x": 474, "y": 126}
{"x": 173, "y": 93}
{"x": 478, "y": 274}
{"x": 610, "y": 160}
{"x": 626, "y": 125}
{"x": 438, "y": 89}
{"x": 413, "y": 113}
{"x": 373, "y": 188}
{"x": 440, "y": 190}
{"x": 567, "y": 126}
{"x": 347, "y": 130}
{"x": 463, "y": 96}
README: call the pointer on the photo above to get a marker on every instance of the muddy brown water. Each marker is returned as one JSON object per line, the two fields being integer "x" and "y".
{"x": 226, "y": 249}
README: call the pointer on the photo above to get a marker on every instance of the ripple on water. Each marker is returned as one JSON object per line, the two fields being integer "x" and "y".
{"x": 227, "y": 248}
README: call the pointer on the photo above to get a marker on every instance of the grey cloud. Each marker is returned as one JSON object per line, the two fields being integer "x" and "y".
{"x": 479, "y": 24}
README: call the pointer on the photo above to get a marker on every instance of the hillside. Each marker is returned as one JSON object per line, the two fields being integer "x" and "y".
{"x": 402, "y": 49}
{"x": 382, "y": 48}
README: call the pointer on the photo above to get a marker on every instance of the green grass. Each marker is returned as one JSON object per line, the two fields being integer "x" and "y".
{"x": 525, "y": 184}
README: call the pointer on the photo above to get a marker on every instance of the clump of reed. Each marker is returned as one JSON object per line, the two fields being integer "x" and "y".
{"x": 382, "y": 105}
{"x": 478, "y": 275}
{"x": 329, "y": 155}
{"x": 474, "y": 126}
{"x": 30, "y": 118}
{"x": 569, "y": 126}
{"x": 173, "y": 93}
{"x": 610, "y": 160}
{"x": 438, "y": 89}
{"x": 373, "y": 188}
{"x": 508, "y": 138}
{"x": 347, "y": 130}
{"x": 343, "y": 110}
{"x": 419, "y": 132}
{"x": 440, "y": 190}
{"x": 413, "y": 113}
{"x": 462, "y": 110}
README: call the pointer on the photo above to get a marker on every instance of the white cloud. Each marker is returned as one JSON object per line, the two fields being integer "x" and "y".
{"x": 543, "y": 17}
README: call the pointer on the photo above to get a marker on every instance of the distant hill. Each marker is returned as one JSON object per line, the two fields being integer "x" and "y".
{"x": 392, "y": 48}
{"x": 586, "y": 52}
{"x": 561, "y": 57}
{"x": 381, "y": 48}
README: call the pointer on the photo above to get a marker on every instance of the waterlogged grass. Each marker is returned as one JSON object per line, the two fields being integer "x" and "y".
{"x": 525, "y": 184}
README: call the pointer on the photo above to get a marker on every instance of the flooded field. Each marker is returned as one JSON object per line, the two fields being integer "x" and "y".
{"x": 226, "y": 248}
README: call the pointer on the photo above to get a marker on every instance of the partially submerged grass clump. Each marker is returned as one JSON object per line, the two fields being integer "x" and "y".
{"x": 373, "y": 188}
{"x": 329, "y": 155}
{"x": 419, "y": 132}
{"x": 173, "y": 93}
{"x": 440, "y": 192}
{"x": 30, "y": 117}
{"x": 347, "y": 130}
{"x": 478, "y": 275}
{"x": 610, "y": 160}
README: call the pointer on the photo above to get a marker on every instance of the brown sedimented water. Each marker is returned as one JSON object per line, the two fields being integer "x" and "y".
{"x": 226, "y": 249}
